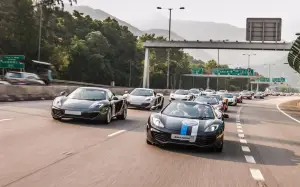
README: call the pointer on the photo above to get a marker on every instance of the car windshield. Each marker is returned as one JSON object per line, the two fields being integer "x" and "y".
{"x": 142, "y": 92}
{"x": 14, "y": 75}
{"x": 208, "y": 90}
{"x": 236, "y": 94}
{"x": 182, "y": 92}
{"x": 218, "y": 97}
{"x": 209, "y": 100}
{"x": 88, "y": 94}
{"x": 228, "y": 95}
{"x": 194, "y": 91}
{"x": 190, "y": 110}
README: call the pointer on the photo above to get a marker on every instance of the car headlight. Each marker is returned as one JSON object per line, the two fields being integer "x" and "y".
{"x": 57, "y": 102}
{"x": 157, "y": 122}
{"x": 96, "y": 105}
{"x": 212, "y": 128}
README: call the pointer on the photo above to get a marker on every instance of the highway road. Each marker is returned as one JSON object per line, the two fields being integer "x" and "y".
{"x": 262, "y": 148}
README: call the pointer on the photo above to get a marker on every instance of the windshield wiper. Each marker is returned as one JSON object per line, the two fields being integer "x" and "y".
{"x": 205, "y": 117}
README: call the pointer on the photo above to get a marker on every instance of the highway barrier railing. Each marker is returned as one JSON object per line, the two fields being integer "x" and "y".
{"x": 10, "y": 93}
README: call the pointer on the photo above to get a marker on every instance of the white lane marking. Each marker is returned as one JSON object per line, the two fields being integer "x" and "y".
{"x": 5, "y": 120}
{"x": 238, "y": 121}
{"x": 239, "y": 127}
{"x": 238, "y": 124}
{"x": 243, "y": 141}
{"x": 250, "y": 159}
{"x": 256, "y": 174}
{"x": 245, "y": 149}
{"x": 241, "y": 135}
{"x": 116, "y": 133}
{"x": 286, "y": 113}
{"x": 239, "y": 130}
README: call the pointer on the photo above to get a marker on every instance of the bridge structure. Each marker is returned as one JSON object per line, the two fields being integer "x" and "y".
{"x": 225, "y": 45}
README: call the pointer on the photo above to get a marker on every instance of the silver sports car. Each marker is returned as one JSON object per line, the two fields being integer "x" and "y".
{"x": 144, "y": 98}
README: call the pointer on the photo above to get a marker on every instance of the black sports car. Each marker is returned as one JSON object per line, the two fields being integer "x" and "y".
{"x": 89, "y": 103}
{"x": 186, "y": 123}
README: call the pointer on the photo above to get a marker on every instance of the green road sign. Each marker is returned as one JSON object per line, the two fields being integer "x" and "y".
{"x": 281, "y": 79}
{"x": 12, "y": 61}
{"x": 197, "y": 71}
{"x": 265, "y": 79}
{"x": 235, "y": 72}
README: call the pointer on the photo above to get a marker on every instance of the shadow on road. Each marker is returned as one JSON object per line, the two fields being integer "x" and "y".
{"x": 232, "y": 152}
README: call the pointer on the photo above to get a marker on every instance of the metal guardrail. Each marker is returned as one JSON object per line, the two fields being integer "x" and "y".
{"x": 75, "y": 83}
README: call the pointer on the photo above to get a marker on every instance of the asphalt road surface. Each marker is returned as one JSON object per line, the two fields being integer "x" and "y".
{"x": 262, "y": 148}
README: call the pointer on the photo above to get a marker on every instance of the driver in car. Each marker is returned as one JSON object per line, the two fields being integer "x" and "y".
{"x": 180, "y": 110}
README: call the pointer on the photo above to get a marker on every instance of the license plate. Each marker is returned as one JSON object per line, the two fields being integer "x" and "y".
{"x": 180, "y": 137}
{"x": 77, "y": 113}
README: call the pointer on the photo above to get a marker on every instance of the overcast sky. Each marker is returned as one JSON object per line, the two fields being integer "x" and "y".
{"x": 233, "y": 12}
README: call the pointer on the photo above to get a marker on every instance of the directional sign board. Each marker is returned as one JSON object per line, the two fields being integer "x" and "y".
{"x": 265, "y": 79}
{"x": 197, "y": 71}
{"x": 235, "y": 72}
{"x": 12, "y": 61}
{"x": 263, "y": 29}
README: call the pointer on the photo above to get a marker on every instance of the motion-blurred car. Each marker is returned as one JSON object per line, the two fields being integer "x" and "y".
{"x": 195, "y": 92}
{"x": 144, "y": 98}
{"x": 222, "y": 91}
{"x": 89, "y": 103}
{"x": 23, "y": 78}
{"x": 246, "y": 95}
{"x": 232, "y": 100}
{"x": 282, "y": 94}
{"x": 4, "y": 83}
{"x": 208, "y": 92}
{"x": 186, "y": 123}
{"x": 184, "y": 95}
{"x": 259, "y": 95}
{"x": 239, "y": 97}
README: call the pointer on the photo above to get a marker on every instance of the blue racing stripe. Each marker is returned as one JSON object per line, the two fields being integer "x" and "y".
{"x": 183, "y": 130}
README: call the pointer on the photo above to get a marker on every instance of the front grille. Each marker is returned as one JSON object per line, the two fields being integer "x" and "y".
{"x": 161, "y": 137}
{"x": 90, "y": 115}
{"x": 200, "y": 140}
{"x": 57, "y": 112}
{"x": 205, "y": 140}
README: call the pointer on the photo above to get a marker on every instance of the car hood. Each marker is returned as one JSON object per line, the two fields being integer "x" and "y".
{"x": 175, "y": 123}
{"x": 75, "y": 104}
{"x": 136, "y": 98}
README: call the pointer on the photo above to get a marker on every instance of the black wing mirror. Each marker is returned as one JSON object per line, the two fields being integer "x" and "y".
{"x": 115, "y": 98}
{"x": 62, "y": 93}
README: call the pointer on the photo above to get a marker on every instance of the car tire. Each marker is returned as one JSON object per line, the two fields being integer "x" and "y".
{"x": 108, "y": 116}
{"x": 123, "y": 116}
{"x": 148, "y": 142}
{"x": 219, "y": 148}
{"x": 162, "y": 104}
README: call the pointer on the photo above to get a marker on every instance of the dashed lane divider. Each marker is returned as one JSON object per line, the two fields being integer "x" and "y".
{"x": 256, "y": 174}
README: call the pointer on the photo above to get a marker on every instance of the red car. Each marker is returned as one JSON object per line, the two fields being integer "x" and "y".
{"x": 239, "y": 97}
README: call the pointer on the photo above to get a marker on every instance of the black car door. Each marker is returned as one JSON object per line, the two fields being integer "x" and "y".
{"x": 115, "y": 104}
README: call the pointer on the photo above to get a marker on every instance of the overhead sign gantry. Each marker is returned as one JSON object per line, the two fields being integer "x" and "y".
{"x": 251, "y": 44}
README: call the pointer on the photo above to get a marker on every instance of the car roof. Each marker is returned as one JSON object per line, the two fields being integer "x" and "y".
{"x": 143, "y": 89}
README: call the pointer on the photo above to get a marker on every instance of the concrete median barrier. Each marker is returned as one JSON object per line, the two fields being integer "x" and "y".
{"x": 10, "y": 93}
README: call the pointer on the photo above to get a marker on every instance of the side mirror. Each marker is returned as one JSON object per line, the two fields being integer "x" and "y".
{"x": 62, "y": 93}
{"x": 159, "y": 94}
{"x": 225, "y": 115}
{"x": 115, "y": 98}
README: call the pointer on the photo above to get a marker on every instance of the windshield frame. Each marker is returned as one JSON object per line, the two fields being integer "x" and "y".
{"x": 185, "y": 91}
{"x": 186, "y": 117}
{"x": 78, "y": 90}
{"x": 144, "y": 89}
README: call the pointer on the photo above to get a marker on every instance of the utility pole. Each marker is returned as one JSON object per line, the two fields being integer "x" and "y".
{"x": 40, "y": 31}
{"x": 249, "y": 55}
{"x": 168, "y": 50}
{"x": 218, "y": 65}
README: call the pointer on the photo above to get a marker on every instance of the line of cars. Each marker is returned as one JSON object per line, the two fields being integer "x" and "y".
{"x": 187, "y": 122}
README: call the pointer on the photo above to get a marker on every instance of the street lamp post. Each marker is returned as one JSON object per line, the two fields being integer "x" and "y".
{"x": 168, "y": 50}
{"x": 249, "y": 55}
